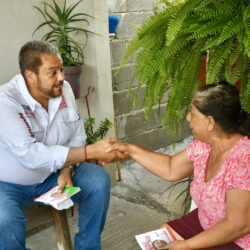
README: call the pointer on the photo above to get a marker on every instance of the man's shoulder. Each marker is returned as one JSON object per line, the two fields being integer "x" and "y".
{"x": 10, "y": 87}
{"x": 10, "y": 92}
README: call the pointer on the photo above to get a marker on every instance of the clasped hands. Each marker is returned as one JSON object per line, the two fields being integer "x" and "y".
{"x": 105, "y": 151}
{"x": 110, "y": 150}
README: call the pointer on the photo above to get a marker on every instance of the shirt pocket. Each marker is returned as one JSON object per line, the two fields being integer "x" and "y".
{"x": 67, "y": 116}
{"x": 38, "y": 131}
{"x": 65, "y": 124}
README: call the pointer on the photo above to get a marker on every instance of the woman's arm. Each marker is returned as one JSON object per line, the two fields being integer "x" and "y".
{"x": 234, "y": 226}
{"x": 168, "y": 167}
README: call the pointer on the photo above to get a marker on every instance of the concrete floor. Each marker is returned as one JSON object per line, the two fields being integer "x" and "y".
{"x": 139, "y": 203}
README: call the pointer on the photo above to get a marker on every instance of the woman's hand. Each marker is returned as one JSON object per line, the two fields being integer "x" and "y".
{"x": 64, "y": 179}
{"x": 105, "y": 150}
{"x": 178, "y": 245}
{"x": 122, "y": 149}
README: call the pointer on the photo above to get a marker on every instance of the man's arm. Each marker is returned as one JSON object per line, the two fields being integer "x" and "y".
{"x": 97, "y": 151}
{"x": 17, "y": 137}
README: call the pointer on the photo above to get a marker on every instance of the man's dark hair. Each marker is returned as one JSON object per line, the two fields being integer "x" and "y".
{"x": 30, "y": 55}
{"x": 222, "y": 102}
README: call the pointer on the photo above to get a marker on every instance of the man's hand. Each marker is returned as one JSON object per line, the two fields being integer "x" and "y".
{"x": 100, "y": 151}
{"x": 64, "y": 179}
{"x": 120, "y": 148}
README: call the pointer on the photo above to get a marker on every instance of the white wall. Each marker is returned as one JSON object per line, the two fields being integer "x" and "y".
{"x": 97, "y": 69}
{"x": 18, "y": 20}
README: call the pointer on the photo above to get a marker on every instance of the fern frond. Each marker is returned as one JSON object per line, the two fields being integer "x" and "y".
{"x": 208, "y": 14}
{"x": 245, "y": 94}
{"x": 212, "y": 28}
{"x": 211, "y": 43}
{"x": 246, "y": 41}
{"x": 246, "y": 14}
{"x": 233, "y": 27}
{"x": 244, "y": 66}
{"x": 205, "y": 4}
{"x": 182, "y": 89}
{"x": 173, "y": 49}
{"x": 228, "y": 7}
{"x": 232, "y": 72}
{"x": 217, "y": 58}
{"x": 177, "y": 19}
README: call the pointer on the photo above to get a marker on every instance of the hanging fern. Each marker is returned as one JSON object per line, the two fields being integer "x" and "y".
{"x": 169, "y": 45}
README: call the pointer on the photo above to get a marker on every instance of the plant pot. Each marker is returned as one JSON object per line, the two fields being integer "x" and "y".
{"x": 113, "y": 23}
{"x": 72, "y": 75}
{"x": 203, "y": 70}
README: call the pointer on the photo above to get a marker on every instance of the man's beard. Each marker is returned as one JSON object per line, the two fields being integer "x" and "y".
{"x": 50, "y": 93}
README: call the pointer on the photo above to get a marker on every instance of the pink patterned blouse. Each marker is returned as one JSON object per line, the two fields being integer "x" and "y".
{"x": 210, "y": 196}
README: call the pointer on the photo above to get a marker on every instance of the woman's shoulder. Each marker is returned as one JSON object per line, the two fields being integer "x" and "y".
{"x": 197, "y": 148}
{"x": 197, "y": 144}
{"x": 242, "y": 147}
{"x": 238, "y": 166}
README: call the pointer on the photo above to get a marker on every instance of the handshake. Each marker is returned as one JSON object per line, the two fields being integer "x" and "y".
{"x": 109, "y": 150}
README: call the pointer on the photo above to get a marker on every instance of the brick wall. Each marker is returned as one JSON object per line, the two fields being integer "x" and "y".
{"x": 130, "y": 121}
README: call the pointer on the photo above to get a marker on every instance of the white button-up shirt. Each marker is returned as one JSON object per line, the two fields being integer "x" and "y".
{"x": 33, "y": 142}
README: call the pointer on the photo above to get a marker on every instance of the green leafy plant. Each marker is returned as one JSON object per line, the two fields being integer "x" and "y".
{"x": 185, "y": 192}
{"x": 95, "y": 135}
{"x": 66, "y": 30}
{"x": 168, "y": 49}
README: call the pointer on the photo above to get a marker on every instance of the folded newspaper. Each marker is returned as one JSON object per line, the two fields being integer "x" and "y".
{"x": 156, "y": 239}
{"x": 59, "y": 200}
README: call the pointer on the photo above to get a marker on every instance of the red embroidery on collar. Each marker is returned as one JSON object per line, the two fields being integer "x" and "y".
{"x": 30, "y": 113}
{"x": 63, "y": 103}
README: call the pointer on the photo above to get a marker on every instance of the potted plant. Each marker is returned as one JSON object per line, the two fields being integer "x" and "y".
{"x": 66, "y": 29}
{"x": 169, "y": 48}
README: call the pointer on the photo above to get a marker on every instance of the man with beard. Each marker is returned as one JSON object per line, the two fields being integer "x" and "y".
{"x": 42, "y": 142}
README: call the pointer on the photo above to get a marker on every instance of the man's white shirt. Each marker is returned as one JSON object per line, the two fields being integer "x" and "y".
{"x": 33, "y": 142}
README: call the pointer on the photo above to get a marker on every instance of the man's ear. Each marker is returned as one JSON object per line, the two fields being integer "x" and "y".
{"x": 210, "y": 123}
{"x": 29, "y": 76}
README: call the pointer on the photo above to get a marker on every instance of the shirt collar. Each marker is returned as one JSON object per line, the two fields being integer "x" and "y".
{"x": 25, "y": 92}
